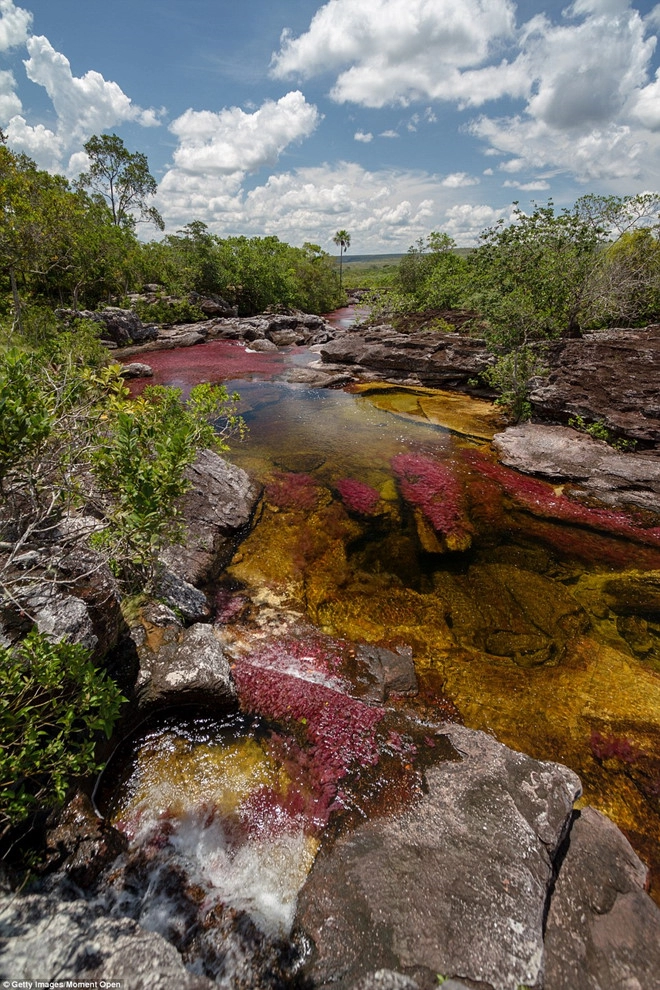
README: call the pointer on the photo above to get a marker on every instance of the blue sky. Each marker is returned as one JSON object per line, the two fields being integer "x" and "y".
{"x": 389, "y": 118}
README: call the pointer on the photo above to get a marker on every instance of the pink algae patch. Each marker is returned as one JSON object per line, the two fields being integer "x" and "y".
{"x": 297, "y": 682}
{"x": 217, "y": 361}
{"x": 433, "y": 488}
{"x": 338, "y": 731}
{"x": 357, "y": 496}
{"x": 612, "y": 747}
{"x": 540, "y": 498}
{"x": 290, "y": 490}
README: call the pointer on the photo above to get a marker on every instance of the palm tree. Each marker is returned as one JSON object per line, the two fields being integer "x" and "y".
{"x": 343, "y": 241}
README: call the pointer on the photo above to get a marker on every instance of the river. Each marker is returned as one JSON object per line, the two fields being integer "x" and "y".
{"x": 388, "y": 522}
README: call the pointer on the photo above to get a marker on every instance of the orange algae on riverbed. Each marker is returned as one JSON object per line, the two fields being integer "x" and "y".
{"x": 529, "y": 643}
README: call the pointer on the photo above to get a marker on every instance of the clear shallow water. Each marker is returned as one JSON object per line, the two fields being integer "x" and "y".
{"x": 522, "y": 612}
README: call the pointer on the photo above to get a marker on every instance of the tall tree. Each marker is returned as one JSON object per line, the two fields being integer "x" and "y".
{"x": 122, "y": 178}
{"x": 343, "y": 241}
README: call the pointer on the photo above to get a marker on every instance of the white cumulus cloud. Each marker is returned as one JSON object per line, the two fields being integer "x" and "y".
{"x": 14, "y": 25}
{"x": 456, "y": 180}
{"x": 385, "y": 209}
{"x": 397, "y": 51}
{"x": 10, "y": 103}
{"x": 233, "y": 141}
{"x": 364, "y": 138}
{"x": 83, "y": 105}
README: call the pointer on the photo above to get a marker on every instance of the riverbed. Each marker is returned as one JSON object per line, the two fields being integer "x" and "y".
{"x": 387, "y": 521}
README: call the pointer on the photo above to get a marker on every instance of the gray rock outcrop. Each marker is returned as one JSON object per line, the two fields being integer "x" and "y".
{"x": 182, "y": 665}
{"x": 441, "y": 360}
{"x": 44, "y": 937}
{"x": 218, "y": 505}
{"x": 457, "y": 884}
{"x": 559, "y": 452}
{"x": 603, "y": 930}
{"x": 610, "y": 375}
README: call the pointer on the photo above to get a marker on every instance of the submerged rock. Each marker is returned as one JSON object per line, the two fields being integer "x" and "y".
{"x": 508, "y": 612}
{"x": 457, "y": 884}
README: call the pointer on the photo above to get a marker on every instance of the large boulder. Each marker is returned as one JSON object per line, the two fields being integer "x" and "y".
{"x": 612, "y": 376}
{"x": 70, "y": 594}
{"x": 558, "y": 452}
{"x": 179, "y": 665}
{"x": 455, "y": 885}
{"x": 603, "y": 930}
{"x": 218, "y": 505}
{"x": 119, "y": 326}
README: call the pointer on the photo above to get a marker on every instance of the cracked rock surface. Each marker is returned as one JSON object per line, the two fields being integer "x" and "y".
{"x": 456, "y": 884}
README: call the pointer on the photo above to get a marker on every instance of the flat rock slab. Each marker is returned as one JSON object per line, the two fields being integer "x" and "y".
{"x": 435, "y": 359}
{"x": 561, "y": 453}
{"x": 456, "y": 884}
{"x": 603, "y": 930}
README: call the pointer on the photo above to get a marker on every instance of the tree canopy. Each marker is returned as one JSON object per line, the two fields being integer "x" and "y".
{"x": 122, "y": 178}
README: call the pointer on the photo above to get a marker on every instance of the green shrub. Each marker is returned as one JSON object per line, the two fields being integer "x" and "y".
{"x": 53, "y": 704}
{"x": 163, "y": 311}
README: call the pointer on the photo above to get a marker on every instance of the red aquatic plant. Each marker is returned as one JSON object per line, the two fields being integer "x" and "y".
{"x": 290, "y": 490}
{"x": 432, "y": 487}
{"x": 358, "y": 496}
{"x": 540, "y": 498}
{"x": 216, "y": 361}
{"x": 613, "y": 748}
{"x": 338, "y": 731}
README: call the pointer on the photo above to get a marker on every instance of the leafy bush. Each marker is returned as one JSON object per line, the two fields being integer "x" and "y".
{"x": 139, "y": 463}
{"x": 53, "y": 704}
{"x": 163, "y": 311}
{"x": 510, "y": 376}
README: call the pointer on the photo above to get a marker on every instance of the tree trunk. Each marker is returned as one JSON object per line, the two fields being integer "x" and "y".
{"x": 18, "y": 314}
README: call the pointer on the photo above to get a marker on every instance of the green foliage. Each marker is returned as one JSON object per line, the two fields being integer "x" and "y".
{"x": 249, "y": 273}
{"x": 54, "y": 341}
{"x": 122, "y": 178}
{"x": 140, "y": 465}
{"x": 529, "y": 277}
{"x": 61, "y": 423}
{"x": 53, "y": 704}
{"x": 166, "y": 311}
{"x": 26, "y": 411}
{"x": 599, "y": 431}
{"x": 510, "y": 376}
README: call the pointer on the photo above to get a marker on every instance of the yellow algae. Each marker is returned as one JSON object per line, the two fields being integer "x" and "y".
{"x": 172, "y": 776}
{"x": 459, "y": 413}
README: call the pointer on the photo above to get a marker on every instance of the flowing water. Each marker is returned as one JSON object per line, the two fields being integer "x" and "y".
{"x": 387, "y": 524}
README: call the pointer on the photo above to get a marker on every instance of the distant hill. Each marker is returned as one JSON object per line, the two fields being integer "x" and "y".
{"x": 382, "y": 259}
